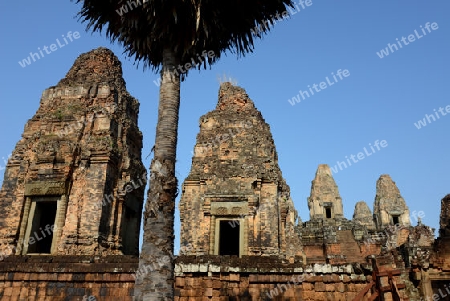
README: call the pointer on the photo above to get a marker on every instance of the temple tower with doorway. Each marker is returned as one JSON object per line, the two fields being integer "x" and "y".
{"x": 324, "y": 201}
{"x": 75, "y": 182}
{"x": 235, "y": 200}
{"x": 389, "y": 207}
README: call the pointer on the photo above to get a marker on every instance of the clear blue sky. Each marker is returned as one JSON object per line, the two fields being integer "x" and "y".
{"x": 380, "y": 99}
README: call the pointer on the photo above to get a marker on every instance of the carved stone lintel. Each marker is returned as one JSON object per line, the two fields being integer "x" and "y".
{"x": 45, "y": 188}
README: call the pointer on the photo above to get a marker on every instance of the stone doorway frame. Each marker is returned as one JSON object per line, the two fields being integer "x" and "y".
{"x": 242, "y": 226}
{"x": 227, "y": 207}
{"x": 31, "y": 220}
{"x": 39, "y": 190}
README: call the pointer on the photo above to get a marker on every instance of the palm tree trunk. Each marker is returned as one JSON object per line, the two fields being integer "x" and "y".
{"x": 155, "y": 276}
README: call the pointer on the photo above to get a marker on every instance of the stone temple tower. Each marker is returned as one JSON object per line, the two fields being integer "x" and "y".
{"x": 324, "y": 201}
{"x": 442, "y": 244}
{"x": 235, "y": 200}
{"x": 363, "y": 215}
{"x": 75, "y": 181}
{"x": 389, "y": 207}
{"x": 444, "y": 221}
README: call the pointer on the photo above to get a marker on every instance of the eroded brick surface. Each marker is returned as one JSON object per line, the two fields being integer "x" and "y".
{"x": 39, "y": 278}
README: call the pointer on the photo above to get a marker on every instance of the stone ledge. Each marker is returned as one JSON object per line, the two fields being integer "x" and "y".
{"x": 260, "y": 264}
{"x": 69, "y": 264}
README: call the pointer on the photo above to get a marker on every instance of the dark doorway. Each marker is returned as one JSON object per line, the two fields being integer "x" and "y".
{"x": 229, "y": 238}
{"x": 395, "y": 219}
{"x": 130, "y": 232}
{"x": 41, "y": 234}
{"x": 328, "y": 212}
{"x": 442, "y": 289}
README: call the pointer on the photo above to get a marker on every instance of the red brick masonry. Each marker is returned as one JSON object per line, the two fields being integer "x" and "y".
{"x": 68, "y": 278}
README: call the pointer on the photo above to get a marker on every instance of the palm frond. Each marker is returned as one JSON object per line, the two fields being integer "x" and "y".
{"x": 187, "y": 26}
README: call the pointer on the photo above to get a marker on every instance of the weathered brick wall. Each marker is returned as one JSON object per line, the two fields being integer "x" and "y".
{"x": 265, "y": 278}
{"x": 70, "y": 278}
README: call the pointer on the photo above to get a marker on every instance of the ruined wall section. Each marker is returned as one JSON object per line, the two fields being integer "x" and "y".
{"x": 82, "y": 146}
{"x": 235, "y": 175}
{"x": 440, "y": 257}
{"x": 77, "y": 278}
{"x": 328, "y": 237}
{"x": 429, "y": 258}
{"x": 267, "y": 278}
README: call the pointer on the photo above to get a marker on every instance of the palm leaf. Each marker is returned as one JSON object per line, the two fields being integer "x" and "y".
{"x": 187, "y": 26}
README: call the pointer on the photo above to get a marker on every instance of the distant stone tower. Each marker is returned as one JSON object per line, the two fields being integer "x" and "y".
{"x": 324, "y": 201}
{"x": 363, "y": 215}
{"x": 389, "y": 207}
{"x": 75, "y": 182}
{"x": 235, "y": 200}
{"x": 444, "y": 222}
{"x": 442, "y": 243}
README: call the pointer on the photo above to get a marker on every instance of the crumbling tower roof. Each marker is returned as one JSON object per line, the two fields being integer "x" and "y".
{"x": 388, "y": 194}
{"x": 100, "y": 65}
{"x": 235, "y": 141}
{"x": 386, "y": 187}
{"x": 323, "y": 185}
{"x": 234, "y": 99}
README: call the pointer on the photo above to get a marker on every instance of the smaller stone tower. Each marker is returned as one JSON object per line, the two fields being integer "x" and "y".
{"x": 444, "y": 222}
{"x": 442, "y": 243}
{"x": 324, "y": 201}
{"x": 363, "y": 216}
{"x": 389, "y": 207}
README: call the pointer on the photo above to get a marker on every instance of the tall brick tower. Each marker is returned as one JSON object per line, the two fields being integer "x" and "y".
{"x": 75, "y": 181}
{"x": 235, "y": 200}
